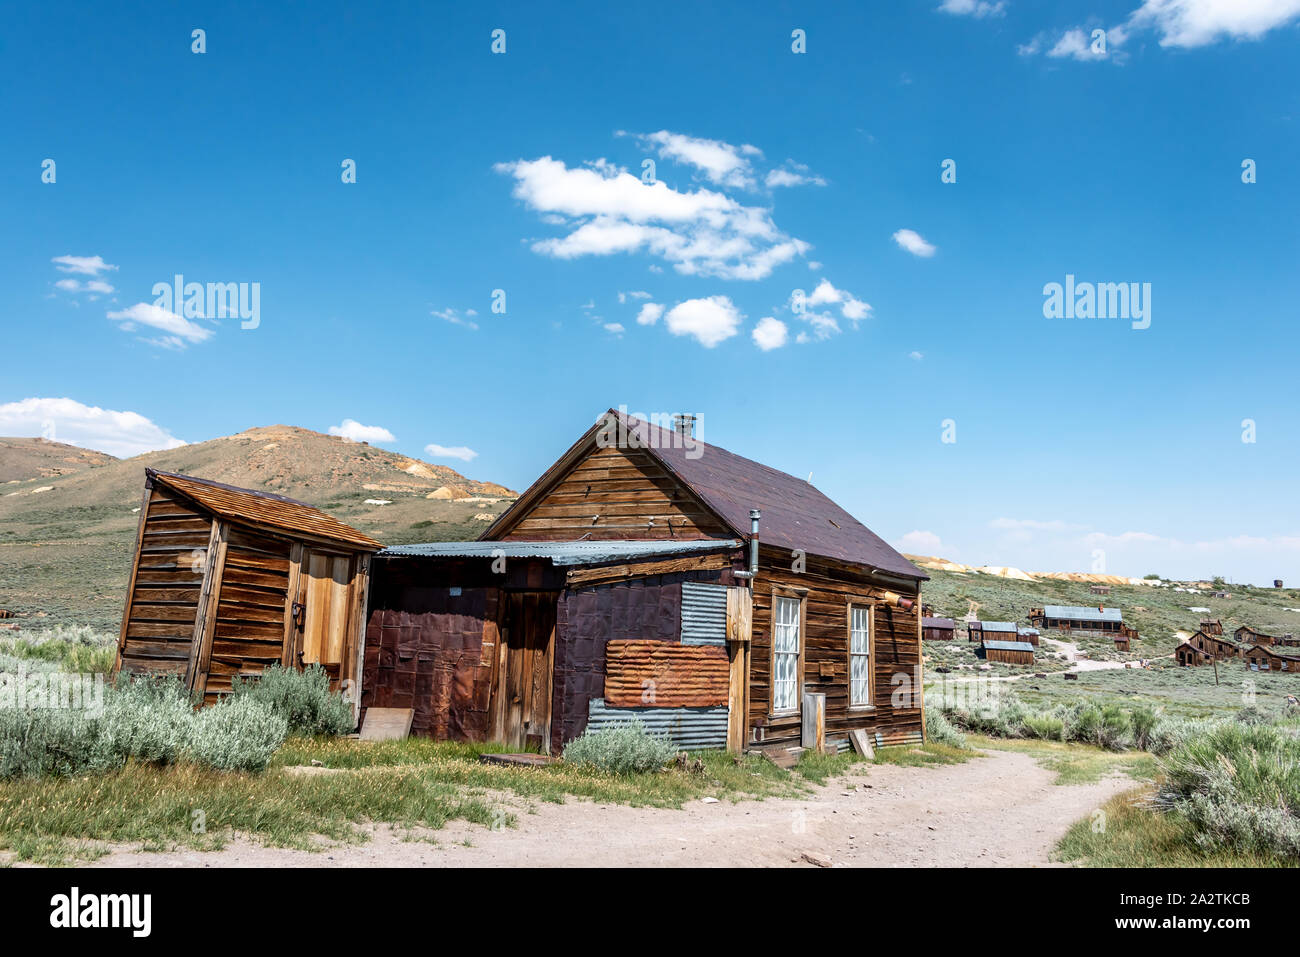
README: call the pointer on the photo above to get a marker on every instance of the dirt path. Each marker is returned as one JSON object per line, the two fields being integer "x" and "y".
{"x": 890, "y": 816}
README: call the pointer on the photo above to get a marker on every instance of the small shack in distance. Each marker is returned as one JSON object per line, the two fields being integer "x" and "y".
{"x": 938, "y": 629}
{"x": 1007, "y": 652}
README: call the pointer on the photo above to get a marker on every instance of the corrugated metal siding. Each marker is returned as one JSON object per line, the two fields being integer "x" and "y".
{"x": 692, "y": 729}
{"x": 704, "y": 614}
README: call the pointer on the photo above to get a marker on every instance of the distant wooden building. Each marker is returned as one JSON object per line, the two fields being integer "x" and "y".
{"x": 1030, "y": 635}
{"x": 992, "y": 630}
{"x": 1189, "y": 655}
{"x": 1263, "y": 658}
{"x": 938, "y": 629}
{"x": 1121, "y": 643}
{"x": 1104, "y": 622}
{"x": 1212, "y": 626}
{"x": 1007, "y": 652}
{"x": 226, "y": 581}
{"x": 1216, "y": 646}
{"x": 1247, "y": 635}
{"x": 1099, "y": 589}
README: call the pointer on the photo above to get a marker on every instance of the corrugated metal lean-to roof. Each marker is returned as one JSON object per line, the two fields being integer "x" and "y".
{"x": 562, "y": 553}
{"x": 1009, "y": 645}
{"x": 1082, "y": 613}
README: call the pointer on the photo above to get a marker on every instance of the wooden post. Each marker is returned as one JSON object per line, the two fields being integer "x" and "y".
{"x": 201, "y": 652}
{"x": 813, "y": 730}
{"x": 740, "y": 614}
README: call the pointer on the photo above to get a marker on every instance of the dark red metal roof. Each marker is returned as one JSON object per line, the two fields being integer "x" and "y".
{"x": 795, "y": 514}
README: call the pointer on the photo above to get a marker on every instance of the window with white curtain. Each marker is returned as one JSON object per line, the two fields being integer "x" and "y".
{"x": 785, "y": 654}
{"x": 859, "y": 655}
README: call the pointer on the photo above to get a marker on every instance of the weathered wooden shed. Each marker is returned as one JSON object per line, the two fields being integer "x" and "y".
{"x": 632, "y": 565}
{"x": 1212, "y": 626}
{"x": 992, "y": 630}
{"x": 1030, "y": 635}
{"x": 938, "y": 629}
{"x": 226, "y": 581}
{"x": 1263, "y": 658}
{"x": 1247, "y": 635}
{"x": 1189, "y": 655}
{"x": 1007, "y": 652}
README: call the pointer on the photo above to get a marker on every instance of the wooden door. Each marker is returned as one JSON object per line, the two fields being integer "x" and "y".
{"x": 522, "y": 709}
{"x": 322, "y": 622}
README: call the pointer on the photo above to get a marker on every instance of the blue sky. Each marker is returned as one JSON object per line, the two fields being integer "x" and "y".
{"x": 774, "y": 171}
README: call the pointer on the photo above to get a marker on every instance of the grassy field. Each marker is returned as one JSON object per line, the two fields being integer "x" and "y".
{"x": 1131, "y": 834}
{"x": 1157, "y": 612}
{"x": 415, "y": 783}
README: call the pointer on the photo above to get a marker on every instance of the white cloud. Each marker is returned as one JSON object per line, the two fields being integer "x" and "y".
{"x": 97, "y": 286}
{"x": 461, "y": 452}
{"x": 177, "y": 331}
{"x": 456, "y": 318}
{"x": 918, "y": 356}
{"x": 82, "y": 265}
{"x": 974, "y": 8}
{"x": 354, "y": 431}
{"x": 921, "y": 542}
{"x": 638, "y": 294}
{"x": 66, "y": 420}
{"x": 825, "y": 325}
{"x": 914, "y": 243}
{"x": 649, "y": 314}
{"x": 792, "y": 174}
{"x": 1195, "y": 23}
{"x": 615, "y": 328}
{"x": 710, "y": 320}
{"x": 722, "y": 163}
{"x": 770, "y": 334}
{"x": 607, "y": 210}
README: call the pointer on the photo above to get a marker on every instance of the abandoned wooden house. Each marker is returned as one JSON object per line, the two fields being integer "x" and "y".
{"x": 1189, "y": 655}
{"x": 1030, "y": 635}
{"x": 1216, "y": 646}
{"x": 1212, "y": 626}
{"x": 1007, "y": 652}
{"x": 995, "y": 630}
{"x": 1121, "y": 643}
{"x": 1105, "y": 622}
{"x": 938, "y": 629}
{"x": 647, "y": 575}
{"x": 226, "y": 581}
{"x": 1264, "y": 658}
{"x": 1099, "y": 589}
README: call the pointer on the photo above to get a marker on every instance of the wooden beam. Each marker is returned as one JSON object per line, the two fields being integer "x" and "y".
{"x": 612, "y": 573}
{"x": 206, "y": 621}
{"x": 135, "y": 565}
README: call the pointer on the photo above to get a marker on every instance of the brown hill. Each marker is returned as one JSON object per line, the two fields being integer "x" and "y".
{"x": 65, "y": 540}
{"x": 22, "y": 459}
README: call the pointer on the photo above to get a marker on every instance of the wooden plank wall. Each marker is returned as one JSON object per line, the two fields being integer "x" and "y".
{"x": 896, "y": 647}
{"x": 163, "y": 602}
{"x": 249, "y": 632}
{"x": 617, "y": 493}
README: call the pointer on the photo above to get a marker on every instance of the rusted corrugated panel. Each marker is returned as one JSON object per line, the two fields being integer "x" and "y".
{"x": 263, "y": 508}
{"x": 692, "y": 729}
{"x": 704, "y": 614}
{"x": 658, "y": 673}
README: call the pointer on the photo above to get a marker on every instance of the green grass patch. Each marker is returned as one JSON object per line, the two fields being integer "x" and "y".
{"x": 923, "y": 755}
{"x": 1131, "y": 834}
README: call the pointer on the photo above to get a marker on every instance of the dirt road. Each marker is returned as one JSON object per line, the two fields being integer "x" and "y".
{"x": 950, "y": 815}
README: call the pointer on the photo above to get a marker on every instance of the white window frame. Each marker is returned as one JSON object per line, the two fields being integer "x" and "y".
{"x": 780, "y": 649}
{"x": 867, "y": 612}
